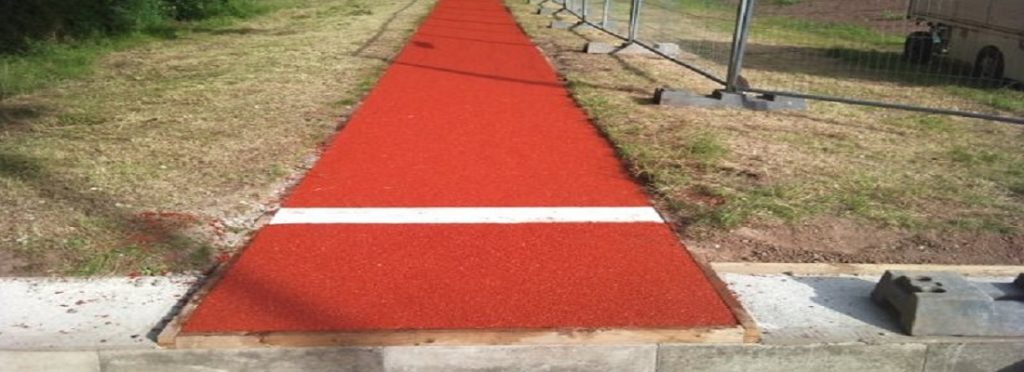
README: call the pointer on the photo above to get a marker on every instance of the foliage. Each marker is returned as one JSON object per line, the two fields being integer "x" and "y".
{"x": 24, "y": 22}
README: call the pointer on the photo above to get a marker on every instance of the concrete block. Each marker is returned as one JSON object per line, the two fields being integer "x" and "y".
{"x": 254, "y": 360}
{"x": 760, "y": 358}
{"x": 609, "y": 25}
{"x": 597, "y": 47}
{"x": 85, "y": 313}
{"x": 971, "y": 357}
{"x": 562, "y": 25}
{"x": 670, "y": 49}
{"x": 1007, "y": 318}
{"x": 546, "y": 11}
{"x": 640, "y": 358}
{"x": 42, "y": 361}
{"x": 946, "y": 304}
{"x": 664, "y": 96}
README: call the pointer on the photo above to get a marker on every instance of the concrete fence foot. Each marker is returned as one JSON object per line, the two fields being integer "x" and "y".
{"x": 719, "y": 98}
{"x": 597, "y": 47}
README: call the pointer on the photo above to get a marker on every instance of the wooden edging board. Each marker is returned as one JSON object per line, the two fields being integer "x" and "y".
{"x": 753, "y": 268}
{"x": 173, "y": 337}
{"x": 751, "y": 334}
{"x": 457, "y": 337}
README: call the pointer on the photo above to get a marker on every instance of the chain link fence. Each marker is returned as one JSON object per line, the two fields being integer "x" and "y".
{"x": 956, "y": 57}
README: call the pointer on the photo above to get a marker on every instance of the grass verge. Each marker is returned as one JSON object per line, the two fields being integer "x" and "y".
{"x": 168, "y": 153}
{"x": 838, "y": 183}
{"x": 46, "y": 63}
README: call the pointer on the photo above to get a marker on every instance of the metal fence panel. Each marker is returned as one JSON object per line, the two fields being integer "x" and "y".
{"x": 945, "y": 56}
{"x": 701, "y": 28}
{"x": 870, "y": 50}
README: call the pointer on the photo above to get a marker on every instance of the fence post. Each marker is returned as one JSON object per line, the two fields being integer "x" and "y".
{"x": 634, "y": 19}
{"x": 744, "y": 14}
{"x": 584, "y": 9}
{"x": 604, "y": 15}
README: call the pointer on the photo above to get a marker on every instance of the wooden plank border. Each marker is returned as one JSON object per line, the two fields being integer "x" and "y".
{"x": 753, "y": 268}
{"x": 173, "y": 337}
{"x": 169, "y": 335}
{"x": 458, "y": 337}
{"x": 751, "y": 333}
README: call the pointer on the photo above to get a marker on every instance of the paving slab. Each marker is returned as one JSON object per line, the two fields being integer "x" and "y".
{"x": 254, "y": 360}
{"x": 610, "y": 358}
{"x": 96, "y": 313}
{"x": 795, "y": 309}
{"x": 809, "y": 309}
{"x": 789, "y": 358}
{"x": 976, "y": 357}
{"x": 42, "y": 361}
{"x": 1002, "y": 356}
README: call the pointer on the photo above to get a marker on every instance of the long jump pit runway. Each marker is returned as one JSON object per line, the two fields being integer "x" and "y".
{"x": 468, "y": 201}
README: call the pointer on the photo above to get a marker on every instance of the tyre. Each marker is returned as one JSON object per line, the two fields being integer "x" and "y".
{"x": 918, "y": 47}
{"x": 989, "y": 65}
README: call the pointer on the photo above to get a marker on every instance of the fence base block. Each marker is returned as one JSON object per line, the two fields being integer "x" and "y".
{"x": 719, "y": 98}
{"x": 597, "y": 47}
{"x": 945, "y": 304}
{"x": 563, "y": 25}
{"x": 547, "y": 11}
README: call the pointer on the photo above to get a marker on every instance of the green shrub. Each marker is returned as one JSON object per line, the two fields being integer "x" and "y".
{"x": 184, "y": 10}
{"x": 24, "y": 21}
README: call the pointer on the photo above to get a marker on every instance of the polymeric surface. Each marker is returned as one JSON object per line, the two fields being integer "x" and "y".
{"x": 358, "y": 277}
{"x": 470, "y": 118}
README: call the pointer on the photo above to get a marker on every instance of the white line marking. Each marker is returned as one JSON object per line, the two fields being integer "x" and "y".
{"x": 463, "y": 215}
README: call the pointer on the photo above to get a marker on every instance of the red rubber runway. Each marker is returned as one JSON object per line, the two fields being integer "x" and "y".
{"x": 470, "y": 114}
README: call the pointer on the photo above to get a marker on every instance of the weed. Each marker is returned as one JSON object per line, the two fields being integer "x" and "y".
{"x": 890, "y": 15}
{"x": 1007, "y": 99}
{"x": 706, "y": 148}
{"x": 971, "y": 156}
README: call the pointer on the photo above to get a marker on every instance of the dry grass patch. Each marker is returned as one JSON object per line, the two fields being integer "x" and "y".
{"x": 837, "y": 183}
{"x": 168, "y": 154}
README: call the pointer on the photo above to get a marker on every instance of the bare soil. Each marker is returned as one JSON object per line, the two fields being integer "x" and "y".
{"x": 838, "y": 240}
{"x": 880, "y": 15}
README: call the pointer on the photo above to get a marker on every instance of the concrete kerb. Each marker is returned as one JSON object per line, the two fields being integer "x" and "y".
{"x": 633, "y": 358}
{"x": 954, "y": 357}
{"x": 809, "y": 323}
{"x": 62, "y": 361}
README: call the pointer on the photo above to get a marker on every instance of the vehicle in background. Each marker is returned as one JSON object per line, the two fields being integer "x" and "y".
{"x": 988, "y": 34}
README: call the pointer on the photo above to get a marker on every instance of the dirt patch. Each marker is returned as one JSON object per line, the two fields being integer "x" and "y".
{"x": 845, "y": 241}
{"x": 10, "y": 264}
{"x": 879, "y": 15}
